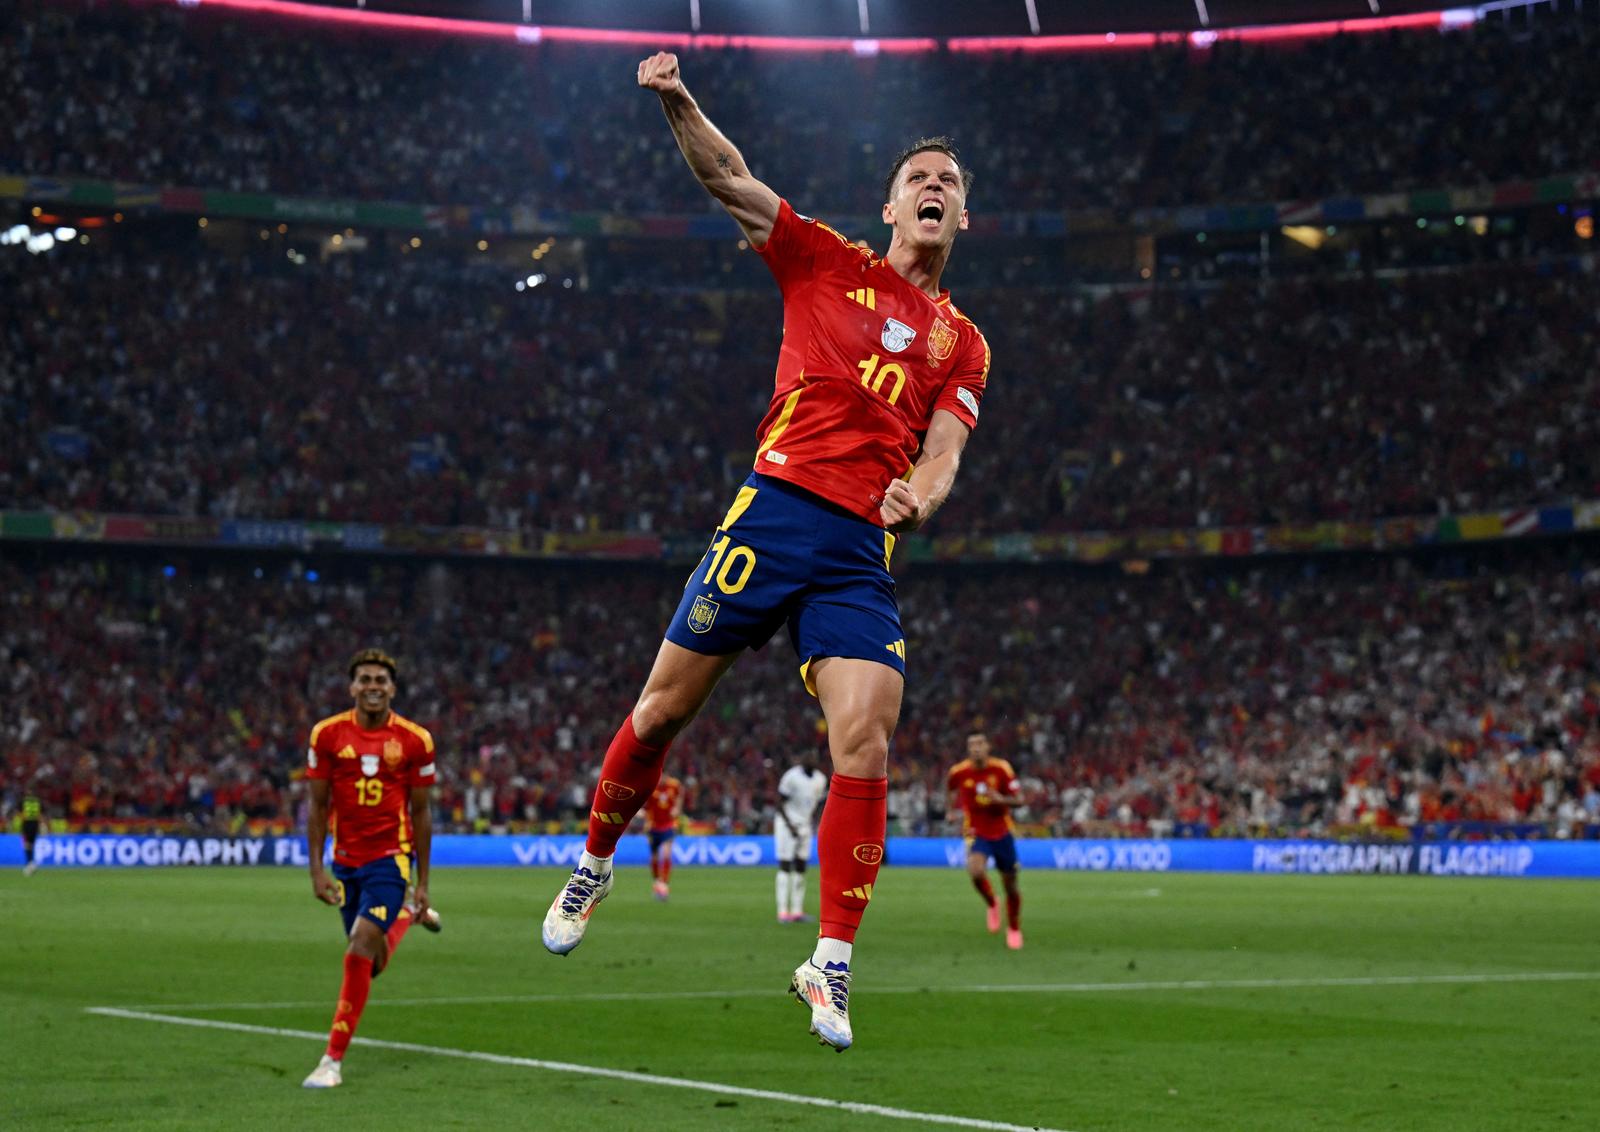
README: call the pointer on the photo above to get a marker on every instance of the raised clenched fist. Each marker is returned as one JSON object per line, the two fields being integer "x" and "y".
{"x": 660, "y": 73}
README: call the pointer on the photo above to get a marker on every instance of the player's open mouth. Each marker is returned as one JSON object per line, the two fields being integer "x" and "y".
{"x": 930, "y": 210}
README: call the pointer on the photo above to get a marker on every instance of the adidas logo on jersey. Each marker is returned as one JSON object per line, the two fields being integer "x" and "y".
{"x": 866, "y": 296}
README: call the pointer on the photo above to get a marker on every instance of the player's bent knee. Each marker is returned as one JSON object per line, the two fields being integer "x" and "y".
{"x": 659, "y": 716}
{"x": 862, "y": 756}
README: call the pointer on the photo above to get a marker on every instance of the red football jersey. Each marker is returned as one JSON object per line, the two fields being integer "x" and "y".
{"x": 661, "y": 811}
{"x": 866, "y": 359}
{"x": 371, "y": 772}
{"x": 972, "y": 785}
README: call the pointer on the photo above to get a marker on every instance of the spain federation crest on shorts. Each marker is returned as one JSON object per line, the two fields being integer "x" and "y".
{"x": 702, "y": 614}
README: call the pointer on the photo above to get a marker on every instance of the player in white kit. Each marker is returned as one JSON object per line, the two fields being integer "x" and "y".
{"x": 800, "y": 791}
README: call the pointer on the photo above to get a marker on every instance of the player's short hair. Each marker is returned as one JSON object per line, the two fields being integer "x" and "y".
{"x": 938, "y": 144}
{"x": 375, "y": 656}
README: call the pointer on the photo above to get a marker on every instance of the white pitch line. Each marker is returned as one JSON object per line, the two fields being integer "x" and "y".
{"x": 976, "y": 988}
{"x": 586, "y": 1071}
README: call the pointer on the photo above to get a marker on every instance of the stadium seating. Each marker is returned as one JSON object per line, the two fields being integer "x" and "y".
{"x": 186, "y": 98}
{"x": 194, "y": 382}
{"x": 161, "y": 372}
{"x": 1309, "y": 695}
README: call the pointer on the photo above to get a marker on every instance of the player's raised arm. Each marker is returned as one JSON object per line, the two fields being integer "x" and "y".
{"x": 711, "y": 156}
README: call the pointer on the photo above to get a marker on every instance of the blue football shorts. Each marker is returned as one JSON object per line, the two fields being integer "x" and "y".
{"x": 1002, "y": 849}
{"x": 659, "y": 837}
{"x": 783, "y": 556}
{"x": 376, "y": 890}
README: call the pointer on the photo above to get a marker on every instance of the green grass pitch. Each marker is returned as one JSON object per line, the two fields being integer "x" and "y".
{"x": 1368, "y": 1003}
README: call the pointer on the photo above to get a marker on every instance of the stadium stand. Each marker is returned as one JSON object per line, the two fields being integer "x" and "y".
{"x": 1297, "y": 694}
{"x": 166, "y": 371}
{"x": 186, "y": 98}
{"x": 195, "y": 382}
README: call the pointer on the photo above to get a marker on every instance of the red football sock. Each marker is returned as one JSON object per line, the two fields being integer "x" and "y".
{"x": 666, "y": 863}
{"x": 627, "y": 777}
{"x": 397, "y": 930}
{"x": 985, "y": 889}
{"x": 655, "y": 868}
{"x": 850, "y": 850}
{"x": 1014, "y": 910}
{"x": 352, "y": 1001}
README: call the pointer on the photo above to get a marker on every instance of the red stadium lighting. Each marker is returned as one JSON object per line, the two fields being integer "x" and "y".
{"x": 1262, "y": 34}
{"x": 866, "y": 48}
{"x": 524, "y": 33}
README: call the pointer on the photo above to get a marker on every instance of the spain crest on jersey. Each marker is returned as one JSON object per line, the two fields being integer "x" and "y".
{"x": 896, "y": 336}
{"x": 941, "y": 340}
{"x": 369, "y": 765}
{"x": 393, "y": 753}
{"x": 702, "y": 614}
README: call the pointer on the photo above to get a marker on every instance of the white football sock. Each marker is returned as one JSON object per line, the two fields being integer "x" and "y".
{"x": 599, "y": 866}
{"x": 831, "y": 951}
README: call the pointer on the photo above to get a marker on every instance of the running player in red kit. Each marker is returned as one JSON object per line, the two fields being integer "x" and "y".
{"x": 985, "y": 789}
{"x": 878, "y": 384}
{"x": 661, "y": 814}
{"x": 371, "y": 775}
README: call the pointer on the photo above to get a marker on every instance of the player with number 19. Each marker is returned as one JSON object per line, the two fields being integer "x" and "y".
{"x": 371, "y": 775}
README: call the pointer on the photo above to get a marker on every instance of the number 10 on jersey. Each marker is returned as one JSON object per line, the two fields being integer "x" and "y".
{"x": 875, "y": 376}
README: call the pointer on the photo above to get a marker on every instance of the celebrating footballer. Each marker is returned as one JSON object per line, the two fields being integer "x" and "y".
{"x": 878, "y": 385}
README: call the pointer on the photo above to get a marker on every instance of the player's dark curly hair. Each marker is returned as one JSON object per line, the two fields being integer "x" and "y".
{"x": 375, "y": 656}
{"x": 939, "y": 144}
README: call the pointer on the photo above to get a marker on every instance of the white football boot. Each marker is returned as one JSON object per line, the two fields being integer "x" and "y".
{"x": 826, "y": 990}
{"x": 327, "y": 1075}
{"x": 569, "y": 914}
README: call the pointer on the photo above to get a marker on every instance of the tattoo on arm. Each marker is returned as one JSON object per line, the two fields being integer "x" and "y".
{"x": 724, "y": 161}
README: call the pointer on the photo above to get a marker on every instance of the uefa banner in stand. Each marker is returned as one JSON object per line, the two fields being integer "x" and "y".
{"x": 1322, "y": 858}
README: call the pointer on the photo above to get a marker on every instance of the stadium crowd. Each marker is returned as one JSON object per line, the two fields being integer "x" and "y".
{"x": 217, "y": 101}
{"x": 1314, "y": 695}
{"x": 195, "y": 382}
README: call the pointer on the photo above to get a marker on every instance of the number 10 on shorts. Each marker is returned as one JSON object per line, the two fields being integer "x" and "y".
{"x": 731, "y": 568}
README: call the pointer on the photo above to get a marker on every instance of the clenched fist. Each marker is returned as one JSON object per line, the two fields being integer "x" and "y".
{"x": 900, "y": 509}
{"x": 660, "y": 73}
